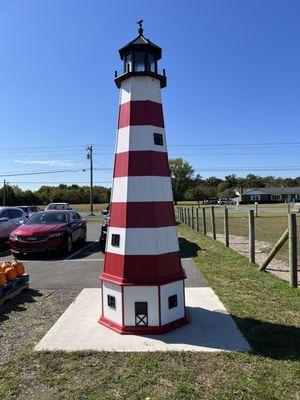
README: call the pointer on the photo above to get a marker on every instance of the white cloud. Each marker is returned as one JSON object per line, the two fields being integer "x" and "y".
{"x": 52, "y": 163}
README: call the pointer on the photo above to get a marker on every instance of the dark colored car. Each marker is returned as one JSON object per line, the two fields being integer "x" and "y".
{"x": 103, "y": 236}
{"x": 103, "y": 229}
{"x": 48, "y": 230}
{"x": 29, "y": 210}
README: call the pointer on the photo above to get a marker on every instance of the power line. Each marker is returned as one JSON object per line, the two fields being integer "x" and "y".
{"x": 69, "y": 147}
{"x": 273, "y": 168}
{"x": 42, "y": 172}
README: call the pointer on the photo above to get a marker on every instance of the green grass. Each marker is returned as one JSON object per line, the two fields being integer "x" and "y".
{"x": 266, "y": 310}
{"x": 269, "y": 225}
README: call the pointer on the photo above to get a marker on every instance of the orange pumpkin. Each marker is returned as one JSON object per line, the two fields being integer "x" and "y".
{"x": 19, "y": 267}
{"x": 2, "y": 279}
{"x": 5, "y": 265}
{"x": 10, "y": 273}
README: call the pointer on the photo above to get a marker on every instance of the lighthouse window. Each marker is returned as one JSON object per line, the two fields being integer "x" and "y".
{"x": 139, "y": 61}
{"x": 115, "y": 240}
{"x": 172, "y": 301}
{"x": 158, "y": 139}
{"x": 111, "y": 301}
{"x": 151, "y": 63}
{"x": 128, "y": 63}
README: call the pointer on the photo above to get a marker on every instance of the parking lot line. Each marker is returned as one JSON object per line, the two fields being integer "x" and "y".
{"x": 79, "y": 251}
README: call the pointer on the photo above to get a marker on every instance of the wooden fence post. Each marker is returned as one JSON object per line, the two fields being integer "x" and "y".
{"x": 275, "y": 250}
{"x": 251, "y": 237}
{"x": 213, "y": 222}
{"x": 293, "y": 250}
{"x": 185, "y": 216}
{"x": 189, "y": 216}
{"x": 204, "y": 221}
{"x": 193, "y": 223}
{"x": 197, "y": 219}
{"x": 226, "y": 227}
{"x": 256, "y": 209}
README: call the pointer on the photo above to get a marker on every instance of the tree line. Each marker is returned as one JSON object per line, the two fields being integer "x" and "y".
{"x": 73, "y": 194}
{"x": 186, "y": 186}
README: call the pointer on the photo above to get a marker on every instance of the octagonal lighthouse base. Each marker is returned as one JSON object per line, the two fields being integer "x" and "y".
{"x": 153, "y": 309}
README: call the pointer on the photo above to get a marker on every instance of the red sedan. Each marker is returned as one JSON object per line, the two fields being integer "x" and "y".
{"x": 48, "y": 230}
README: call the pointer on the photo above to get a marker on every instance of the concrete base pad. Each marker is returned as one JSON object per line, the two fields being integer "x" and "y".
{"x": 211, "y": 328}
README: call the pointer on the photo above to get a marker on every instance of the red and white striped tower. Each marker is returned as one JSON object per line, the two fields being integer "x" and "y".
{"x": 142, "y": 279}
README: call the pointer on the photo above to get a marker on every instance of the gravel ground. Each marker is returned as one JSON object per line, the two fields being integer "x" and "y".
{"x": 25, "y": 319}
{"x": 277, "y": 266}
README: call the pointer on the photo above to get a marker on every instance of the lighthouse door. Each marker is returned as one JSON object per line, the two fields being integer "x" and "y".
{"x": 141, "y": 314}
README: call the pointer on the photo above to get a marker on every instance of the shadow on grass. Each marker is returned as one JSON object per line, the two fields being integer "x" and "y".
{"x": 272, "y": 340}
{"x": 18, "y": 303}
{"x": 267, "y": 339}
{"x": 188, "y": 249}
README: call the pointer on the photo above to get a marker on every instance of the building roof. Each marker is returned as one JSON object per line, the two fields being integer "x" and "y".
{"x": 271, "y": 190}
{"x": 140, "y": 43}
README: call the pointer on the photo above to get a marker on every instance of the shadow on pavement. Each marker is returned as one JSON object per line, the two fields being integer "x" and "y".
{"x": 83, "y": 250}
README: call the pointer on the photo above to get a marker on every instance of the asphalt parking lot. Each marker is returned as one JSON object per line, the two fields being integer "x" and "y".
{"x": 80, "y": 269}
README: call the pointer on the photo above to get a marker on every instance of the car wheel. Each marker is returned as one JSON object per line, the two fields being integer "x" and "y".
{"x": 84, "y": 236}
{"x": 68, "y": 245}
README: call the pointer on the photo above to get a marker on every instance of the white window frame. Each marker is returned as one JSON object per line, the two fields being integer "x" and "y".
{"x": 255, "y": 197}
{"x": 276, "y": 196}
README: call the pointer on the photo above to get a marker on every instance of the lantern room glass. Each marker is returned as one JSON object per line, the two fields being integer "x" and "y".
{"x": 128, "y": 63}
{"x": 139, "y": 61}
{"x": 150, "y": 62}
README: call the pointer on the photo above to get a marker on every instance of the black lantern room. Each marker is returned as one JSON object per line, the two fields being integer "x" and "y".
{"x": 140, "y": 57}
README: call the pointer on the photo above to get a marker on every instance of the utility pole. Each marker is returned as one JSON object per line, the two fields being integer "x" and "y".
{"x": 4, "y": 190}
{"x": 89, "y": 156}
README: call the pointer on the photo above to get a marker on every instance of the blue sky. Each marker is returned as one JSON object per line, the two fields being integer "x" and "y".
{"x": 232, "y": 103}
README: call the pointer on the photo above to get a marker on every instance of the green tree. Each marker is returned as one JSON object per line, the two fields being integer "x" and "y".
{"x": 198, "y": 193}
{"x": 227, "y": 194}
{"x": 181, "y": 174}
{"x": 253, "y": 181}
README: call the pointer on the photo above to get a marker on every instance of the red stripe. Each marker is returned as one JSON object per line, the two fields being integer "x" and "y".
{"x": 143, "y": 330}
{"x": 142, "y": 269}
{"x": 142, "y": 112}
{"x": 142, "y": 214}
{"x": 141, "y": 163}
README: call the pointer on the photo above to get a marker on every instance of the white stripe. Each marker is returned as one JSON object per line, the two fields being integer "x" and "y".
{"x": 143, "y": 241}
{"x": 80, "y": 250}
{"x": 142, "y": 188}
{"x": 140, "y": 88}
{"x": 139, "y": 138}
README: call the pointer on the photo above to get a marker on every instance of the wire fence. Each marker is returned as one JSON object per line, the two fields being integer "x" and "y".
{"x": 252, "y": 231}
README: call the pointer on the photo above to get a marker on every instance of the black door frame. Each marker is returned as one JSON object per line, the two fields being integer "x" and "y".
{"x": 141, "y": 316}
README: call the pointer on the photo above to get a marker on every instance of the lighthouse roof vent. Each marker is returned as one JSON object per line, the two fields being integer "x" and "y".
{"x": 140, "y": 43}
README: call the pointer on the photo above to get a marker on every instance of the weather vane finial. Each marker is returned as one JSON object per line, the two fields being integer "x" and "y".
{"x": 140, "y": 22}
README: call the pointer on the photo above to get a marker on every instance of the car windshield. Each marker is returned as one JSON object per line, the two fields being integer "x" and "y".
{"x": 48, "y": 218}
{"x": 24, "y": 208}
{"x": 56, "y": 207}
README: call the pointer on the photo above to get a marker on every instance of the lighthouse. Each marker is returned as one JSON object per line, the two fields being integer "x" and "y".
{"x": 143, "y": 279}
